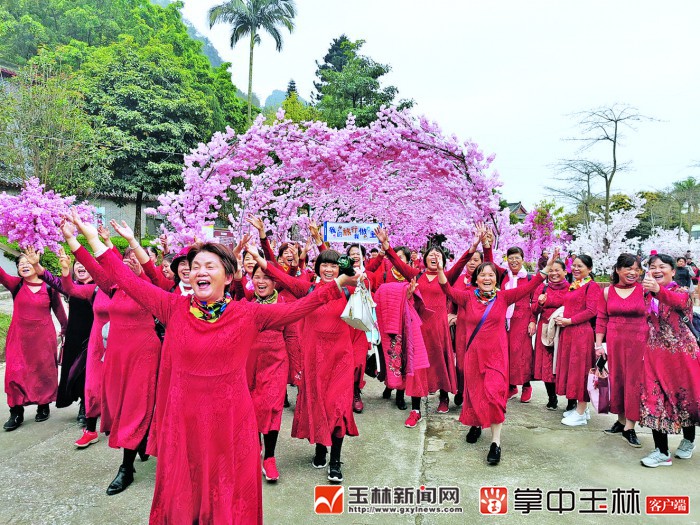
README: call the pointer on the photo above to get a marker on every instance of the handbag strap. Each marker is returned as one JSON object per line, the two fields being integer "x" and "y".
{"x": 481, "y": 322}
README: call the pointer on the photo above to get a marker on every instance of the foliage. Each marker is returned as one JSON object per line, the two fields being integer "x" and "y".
{"x": 335, "y": 60}
{"x": 377, "y": 172}
{"x": 44, "y": 131}
{"x": 355, "y": 89}
{"x": 604, "y": 242}
{"x": 248, "y": 18}
{"x": 5, "y": 321}
{"x": 539, "y": 233}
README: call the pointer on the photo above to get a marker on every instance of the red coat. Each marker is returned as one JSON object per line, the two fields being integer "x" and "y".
{"x": 486, "y": 361}
{"x": 208, "y": 468}
{"x": 31, "y": 376}
{"x": 576, "y": 354}
{"x": 544, "y": 355}
{"x": 324, "y": 403}
{"x": 519, "y": 341}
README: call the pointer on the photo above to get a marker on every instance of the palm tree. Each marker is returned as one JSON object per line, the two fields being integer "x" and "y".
{"x": 248, "y": 17}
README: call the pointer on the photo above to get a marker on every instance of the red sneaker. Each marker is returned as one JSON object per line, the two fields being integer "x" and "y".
{"x": 269, "y": 470}
{"x": 527, "y": 394}
{"x": 512, "y": 392}
{"x": 413, "y": 419}
{"x": 357, "y": 404}
{"x": 87, "y": 439}
{"x": 444, "y": 406}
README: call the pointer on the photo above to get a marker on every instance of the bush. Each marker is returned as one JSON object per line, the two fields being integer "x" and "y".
{"x": 4, "y": 325}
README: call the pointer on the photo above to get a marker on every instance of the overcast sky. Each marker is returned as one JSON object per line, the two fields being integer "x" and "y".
{"x": 508, "y": 74}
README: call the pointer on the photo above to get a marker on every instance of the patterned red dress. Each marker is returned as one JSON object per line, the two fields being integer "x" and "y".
{"x": 624, "y": 324}
{"x": 576, "y": 353}
{"x": 671, "y": 388}
{"x": 544, "y": 355}
{"x": 208, "y": 468}
{"x": 31, "y": 376}
{"x": 486, "y": 361}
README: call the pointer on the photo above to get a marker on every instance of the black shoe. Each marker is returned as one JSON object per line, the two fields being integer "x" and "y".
{"x": 335, "y": 475}
{"x": 494, "y": 456}
{"x": 286, "y": 400}
{"x": 142, "y": 450}
{"x": 125, "y": 477}
{"x": 81, "y": 419}
{"x": 387, "y": 393}
{"x": 42, "y": 413}
{"x": 631, "y": 438}
{"x": 571, "y": 404}
{"x": 459, "y": 399}
{"x": 15, "y": 420}
{"x": 400, "y": 400}
{"x": 474, "y": 434}
{"x": 553, "y": 403}
{"x": 319, "y": 461}
{"x": 615, "y": 429}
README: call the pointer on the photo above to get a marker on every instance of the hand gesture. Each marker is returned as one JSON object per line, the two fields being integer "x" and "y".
{"x": 438, "y": 260}
{"x": 123, "y": 230}
{"x": 132, "y": 263}
{"x": 243, "y": 243}
{"x": 295, "y": 254}
{"x": 412, "y": 288}
{"x": 542, "y": 299}
{"x": 255, "y": 255}
{"x": 382, "y": 237}
{"x": 451, "y": 319}
{"x": 32, "y": 256}
{"x": 164, "y": 242}
{"x": 346, "y": 280}
{"x": 257, "y": 223}
{"x": 67, "y": 229}
{"x": 479, "y": 234}
{"x": 315, "y": 233}
{"x": 103, "y": 233}
{"x": 490, "y": 237}
{"x": 64, "y": 260}
{"x": 550, "y": 261}
{"x": 87, "y": 229}
{"x": 649, "y": 284}
{"x": 531, "y": 329}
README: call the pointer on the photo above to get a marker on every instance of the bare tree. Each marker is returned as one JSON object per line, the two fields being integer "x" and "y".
{"x": 577, "y": 178}
{"x": 604, "y": 126}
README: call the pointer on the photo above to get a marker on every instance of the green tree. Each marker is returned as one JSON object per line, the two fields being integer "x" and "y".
{"x": 45, "y": 132}
{"x": 147, "y": 107}
{"x": 335, "y": 60}
{"x": 355, "y": 89}
{"x": 248, "y": 18}
{"x": 296, "y": 110}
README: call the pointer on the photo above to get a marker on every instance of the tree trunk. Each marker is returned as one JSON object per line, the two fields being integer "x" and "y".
{"x": 137, "y": 220}
{"x": 250, "y": 79}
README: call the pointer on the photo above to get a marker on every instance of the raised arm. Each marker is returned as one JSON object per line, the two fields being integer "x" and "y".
{"x": 680, "y": 300}
{"x": 515, "y": 294}
{"x": 84, "y": 291}
{"x": 374, "y": 264}
{"x": 458, "y": 297}
{"x": 156, "y": 276}
{"x": 298, "y": 287}
{"x": 404, "y": 269}
{"x": 9, "y": 281}
{"x": 54, "y": 282}
{"x": 538, "y": 305}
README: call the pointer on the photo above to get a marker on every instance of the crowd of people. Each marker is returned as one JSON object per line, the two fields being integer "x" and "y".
{"x": 190, "y": 360}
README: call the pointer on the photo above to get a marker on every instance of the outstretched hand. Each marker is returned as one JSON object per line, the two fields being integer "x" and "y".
{"x": 123, "y": 229}
{"x": 257, "y": 223}
{"x": 103, "y": 232}
{"x": 382, "y": 237}
{"x": 64, "y": 260}
{"x": 347, "y": 280}
{"x": 67, "y": 229}
{"x": 32, "y": 256}
{"x": 85, "y": 228}
{"x": 256, "y": 255}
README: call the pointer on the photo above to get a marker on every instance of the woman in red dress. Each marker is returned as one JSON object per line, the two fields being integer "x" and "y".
{"x": 671, "y": 379}
{"x": 31, "y": 373}
{"x": 486, "y": 358}
{"x": 208, "y": 468}
{"x": 576, "y": 341}
{"x": 550, "y": 296}
{"x": 323, "y": 412}
{"x": 442, "y": 374}
{"x": 622, "y": 322}
{"x": 271, "y": 357}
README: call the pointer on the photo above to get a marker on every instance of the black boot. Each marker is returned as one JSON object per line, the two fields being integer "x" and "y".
{"x": 459, "y": 398}
{"x": 473, "y": 434}
{"x": 142, "y": 449}
{"x": 387, "y": 393}
{"x": 494, "y": 456}
{"x": 81, "y": 419}
{"x": 400, "y": 401}
{"x": 125, "y": 477}
{"x": 553, "y": 403}
{"x": 42, "y": 413}
{"x": 16, "y": 418}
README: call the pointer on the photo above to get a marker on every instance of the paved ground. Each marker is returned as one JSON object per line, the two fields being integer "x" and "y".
{"x": 45, "y": 480}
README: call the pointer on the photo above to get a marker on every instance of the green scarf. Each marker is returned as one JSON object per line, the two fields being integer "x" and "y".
{"x": 271, "y": 299}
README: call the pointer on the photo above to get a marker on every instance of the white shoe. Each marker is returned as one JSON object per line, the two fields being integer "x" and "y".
{"x": 685, "y": 449}
{"x": 587, "y": 413}
{"x": 657, "y": 459}
{"x": 575, "y": 419}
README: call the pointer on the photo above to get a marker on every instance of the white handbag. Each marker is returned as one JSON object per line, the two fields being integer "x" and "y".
{"x": 360, "y": 310}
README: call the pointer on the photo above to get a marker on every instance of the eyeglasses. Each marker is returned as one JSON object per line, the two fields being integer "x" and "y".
{"x": 515, "y": 258}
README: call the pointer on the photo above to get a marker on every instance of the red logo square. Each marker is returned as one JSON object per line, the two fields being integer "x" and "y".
{"x": 668, "y": 505}
{"x": 493, "y": 500}
{"x": 328, "y": 499}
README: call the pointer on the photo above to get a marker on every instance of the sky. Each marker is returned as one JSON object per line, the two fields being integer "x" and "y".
{"x": 510, "y": 74}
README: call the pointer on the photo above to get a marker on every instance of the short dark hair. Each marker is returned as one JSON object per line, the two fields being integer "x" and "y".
{"x": 666, "y": 259}
{"x": 625, "y": 260}
{"x": 374, "y": 250}
{"x": 221, "y": 251}
{"x": 586, "y": 259}
{"x": 326, "y": 256}
{"x": 284, "y": 246}
{"x": 435, "y": 249}
{"x": 515, "y": 249}
{"x": 479, "y": 253}
{"x": 560, "y": 263}
{"x": 362, "y": 249}
{"x": 481, "y": 267}
{"x": 679, "y": 258}
{"x": 405, "y": 250}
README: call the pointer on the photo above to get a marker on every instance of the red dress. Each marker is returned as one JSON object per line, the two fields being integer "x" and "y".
{"x": 31, "y": 374}
{"x": 624, "y": 324}
{"x": 268, "y": 367}
{"x": 96, "y": 349}
{"x": 208, "y": 468}
{"x": 576, "y": 353}
{"x": 671, "y": 380}
{"x": 486, "y": 361}
{"x": 130, "y": 363}
{"x": 442, "y": 374}
{"x": 324, "y": 403}
{"x": 544, "y": 355}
